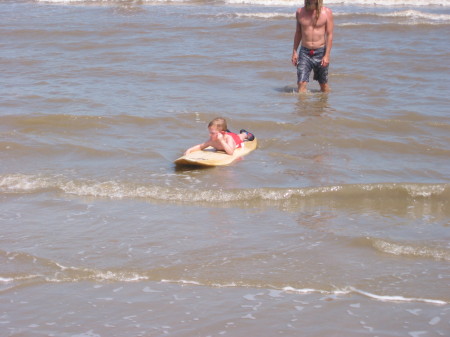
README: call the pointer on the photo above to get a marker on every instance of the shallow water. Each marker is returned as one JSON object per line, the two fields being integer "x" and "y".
{"x": 338, "y": 224}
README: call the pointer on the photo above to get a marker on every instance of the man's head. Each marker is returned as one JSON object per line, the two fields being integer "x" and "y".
{"x": 313, "y": 4}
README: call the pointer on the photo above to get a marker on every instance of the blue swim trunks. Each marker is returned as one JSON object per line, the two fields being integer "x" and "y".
{"x": 310, "y": 59}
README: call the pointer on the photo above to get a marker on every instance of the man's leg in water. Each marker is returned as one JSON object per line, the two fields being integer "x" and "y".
{"x": 324, "y": 87}
{"x": 302, "y": 86}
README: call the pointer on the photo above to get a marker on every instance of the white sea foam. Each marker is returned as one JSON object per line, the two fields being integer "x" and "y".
{"x": 336, "y": 292}
{"x": 411, "y": 250}
{"x": 265, "y": 15}
{"x": 21, "y": 278}
{"x": 403, "y": 17}
{"x": 434, "y": 320}
{"x": 99, "y": 276}
{"x": 303, "y": 290}
{"x": 111, "y": 276}
{"x": 396, "y": 298}
{"x": 293, "y": 3}
{"x": 345, "y": 2}
{"x": 414, "y": 14}
{"x": 150, "y": 290}
{"x": 181, "y": 282}
{"x": 119, "y": 276}
{"x": 20, "y": 183}
{"x": 348, "y": 290}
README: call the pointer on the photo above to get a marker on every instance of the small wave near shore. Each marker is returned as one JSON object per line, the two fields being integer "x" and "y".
{"x": 23, "y": 183}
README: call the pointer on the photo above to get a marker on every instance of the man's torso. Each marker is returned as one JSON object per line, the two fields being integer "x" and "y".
{"x": 313, "y": 34}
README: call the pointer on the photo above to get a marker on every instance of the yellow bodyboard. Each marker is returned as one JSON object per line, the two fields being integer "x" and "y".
{"x": 212, "y": 157}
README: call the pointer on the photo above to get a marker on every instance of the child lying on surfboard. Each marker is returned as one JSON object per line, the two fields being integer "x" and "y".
{"x": 221, "y": 138}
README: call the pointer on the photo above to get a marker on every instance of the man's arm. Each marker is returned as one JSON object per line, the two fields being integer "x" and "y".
{"x": 297, "y": 39}
{"x": 329, "y": 27}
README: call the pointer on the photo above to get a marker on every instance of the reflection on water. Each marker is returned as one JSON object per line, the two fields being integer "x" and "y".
{"x": 312, "y": 103}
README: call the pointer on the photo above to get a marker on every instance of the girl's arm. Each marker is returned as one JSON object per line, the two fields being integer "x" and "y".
{"x": 227, "y": 143}
{"x": 197, "y": 148}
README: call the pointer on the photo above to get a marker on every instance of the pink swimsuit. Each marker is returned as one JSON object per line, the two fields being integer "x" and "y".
{"x": 236, "y": 139}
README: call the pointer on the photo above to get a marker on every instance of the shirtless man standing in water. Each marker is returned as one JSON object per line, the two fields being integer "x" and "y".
{"x": 315, "y": 31}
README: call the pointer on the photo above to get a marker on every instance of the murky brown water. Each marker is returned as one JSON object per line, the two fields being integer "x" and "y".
{"x": 337, "y": 225}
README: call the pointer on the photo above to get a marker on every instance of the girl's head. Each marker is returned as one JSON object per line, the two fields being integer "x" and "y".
{"x": 219, "y": 124}
{"x": 216, "y": 126}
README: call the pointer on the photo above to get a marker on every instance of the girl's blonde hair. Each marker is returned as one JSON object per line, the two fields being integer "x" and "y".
{"x": 319, "y": 4}
{"x": 219, "y": 123}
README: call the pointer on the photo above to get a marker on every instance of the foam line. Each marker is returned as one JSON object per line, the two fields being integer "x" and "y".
{"x": 384, "y": 298}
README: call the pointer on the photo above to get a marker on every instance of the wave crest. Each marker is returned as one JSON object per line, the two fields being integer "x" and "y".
{"x": 267, "y": 2}
{"x": 74, "y": 274}
{"x": 21, "y": 183}
{"x": 402, "y": 249}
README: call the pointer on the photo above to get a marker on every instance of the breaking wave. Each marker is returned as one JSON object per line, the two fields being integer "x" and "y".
{"x": 264, "y": 2}
{"x": 410, "y": 250}
{"x": 22, "y": 183}
{"x": 48, "y": 271}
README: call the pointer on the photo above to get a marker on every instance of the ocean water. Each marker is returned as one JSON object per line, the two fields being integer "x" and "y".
{"x": 337, "y": 225}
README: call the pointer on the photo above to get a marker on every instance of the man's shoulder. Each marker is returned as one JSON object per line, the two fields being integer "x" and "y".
{"x": 327, "y": 10}
{"x": 300, "y": 12}
{"x": 326, "y": 14}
